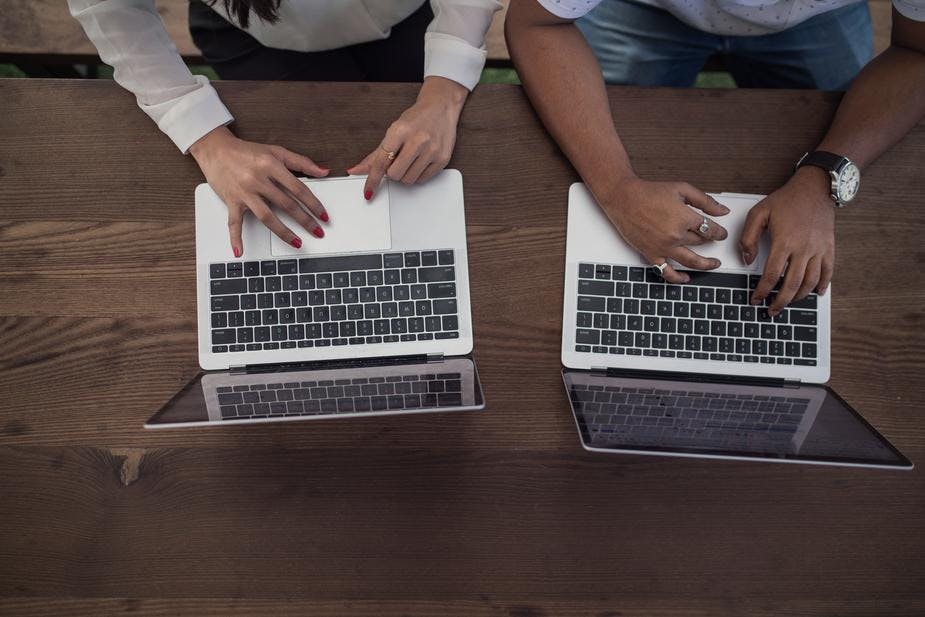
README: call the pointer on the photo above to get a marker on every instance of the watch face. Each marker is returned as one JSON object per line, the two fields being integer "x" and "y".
{"x": 849, "y": 181}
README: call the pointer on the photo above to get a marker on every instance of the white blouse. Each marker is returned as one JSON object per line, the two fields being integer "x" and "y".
{"x": 130, "y": 36}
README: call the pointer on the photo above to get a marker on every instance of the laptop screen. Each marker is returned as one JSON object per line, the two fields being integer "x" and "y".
{"x": 807, "y": 423}
{"x": 221, "y": 398}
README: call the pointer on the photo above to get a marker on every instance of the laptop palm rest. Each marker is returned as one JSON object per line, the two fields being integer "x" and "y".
{"x": 356, "y": 224}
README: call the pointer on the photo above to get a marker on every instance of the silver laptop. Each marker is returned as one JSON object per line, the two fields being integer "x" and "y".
{"x": 381, "y": 302}
{"x": 695, "y": 369}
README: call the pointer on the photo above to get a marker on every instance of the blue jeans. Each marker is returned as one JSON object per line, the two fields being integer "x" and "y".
{"x": 641, "y": 45}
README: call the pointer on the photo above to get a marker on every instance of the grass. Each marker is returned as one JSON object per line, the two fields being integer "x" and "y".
{"x": 711, "y": 79}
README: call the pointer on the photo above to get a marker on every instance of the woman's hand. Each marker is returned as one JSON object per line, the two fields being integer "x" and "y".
{"x": 800, "y": 218}
{"x": 422, "y": 139}
{"x": 654, "y": 218}
{"x": 252, "y": 176}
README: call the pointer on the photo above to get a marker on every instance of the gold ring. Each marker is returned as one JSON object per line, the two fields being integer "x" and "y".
{"x": 388, "y": 153}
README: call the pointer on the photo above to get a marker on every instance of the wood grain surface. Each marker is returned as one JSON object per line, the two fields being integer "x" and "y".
{"x": 497, "y": 512}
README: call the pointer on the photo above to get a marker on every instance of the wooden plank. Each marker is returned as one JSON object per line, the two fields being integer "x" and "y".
{"x": 496, "y": 512}
{"x": 44, "y": 29}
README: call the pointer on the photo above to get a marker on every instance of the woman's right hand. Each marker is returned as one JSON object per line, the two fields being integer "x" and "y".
{"x": 252, "y": 176}
{"x": 654, "y": 218}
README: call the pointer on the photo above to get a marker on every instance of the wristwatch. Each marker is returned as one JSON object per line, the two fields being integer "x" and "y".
{"x": 846, "y": 177}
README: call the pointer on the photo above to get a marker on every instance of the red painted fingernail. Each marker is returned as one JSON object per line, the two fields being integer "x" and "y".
{"x": 297, "y": 242}
{"x": 324, "y": 217}
{"x": 368, "y": 195}
{"x": 237, "y": 252}
{"x": 318, "y": 232}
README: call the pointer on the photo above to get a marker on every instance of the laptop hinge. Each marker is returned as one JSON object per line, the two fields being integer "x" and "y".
{"x": 321, "y": 365}
{"x": 776, "y": 382}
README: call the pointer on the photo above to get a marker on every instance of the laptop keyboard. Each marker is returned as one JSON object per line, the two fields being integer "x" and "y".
{"x": 640, "y": 415}
{"x": 626, "y": 310}
{"x": 325, "y": 301}
{"x": 312, "y": 398}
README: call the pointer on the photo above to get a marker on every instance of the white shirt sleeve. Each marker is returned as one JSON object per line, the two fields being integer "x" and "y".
{"x": 454, "y": 46}
{"x": 913, "y": 9}
{"x": 569, "y": 9}
{"x": 130, "y": 36}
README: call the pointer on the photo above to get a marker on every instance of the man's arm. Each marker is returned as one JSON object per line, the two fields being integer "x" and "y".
{"x": 564, "y": 83}
{"x": 885, "y": 101}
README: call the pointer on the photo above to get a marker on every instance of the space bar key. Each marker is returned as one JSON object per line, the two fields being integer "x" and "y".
{"x": 340, "y": 263}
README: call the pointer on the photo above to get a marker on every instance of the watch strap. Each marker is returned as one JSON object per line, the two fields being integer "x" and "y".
{"x": 823, "y": 159}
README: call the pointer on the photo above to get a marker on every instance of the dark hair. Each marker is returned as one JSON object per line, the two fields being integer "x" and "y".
{"x": 240, "y": 10}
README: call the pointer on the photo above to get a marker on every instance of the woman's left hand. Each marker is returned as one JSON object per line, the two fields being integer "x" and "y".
{"x": 422, "y": 139}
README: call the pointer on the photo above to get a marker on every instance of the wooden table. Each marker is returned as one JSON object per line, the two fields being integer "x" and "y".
{"x": 497, "y": 512}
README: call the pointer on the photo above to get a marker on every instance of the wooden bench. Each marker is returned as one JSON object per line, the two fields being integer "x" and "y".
{"x": 36, "y": 33}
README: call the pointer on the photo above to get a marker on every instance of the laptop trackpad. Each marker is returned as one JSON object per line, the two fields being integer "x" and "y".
{"x": 356, "y": 225}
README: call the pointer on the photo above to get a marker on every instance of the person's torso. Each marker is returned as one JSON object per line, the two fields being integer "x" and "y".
{"x": 745, "y": 17}
{"x": 319, "y": 25}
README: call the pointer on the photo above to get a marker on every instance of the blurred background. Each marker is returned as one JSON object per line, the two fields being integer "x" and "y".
{"x": 39, "y": 38}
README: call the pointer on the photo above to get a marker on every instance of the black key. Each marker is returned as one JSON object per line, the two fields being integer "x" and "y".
{"x": 393, "y": 260}
{"x": 348, "y": 329}
{"x": 278, "y": 333}
{"x": 442, "y": 307}
{"x": 330, "y": 329}
{"x": 248, "y": 302}
{"x": 809, "y": 350}
{"x": 307, "y": 281}
{"x": 224, "y": 336}
{"x": 801, "y": 333}
{"x": 225, "y": 303}
{"x": 323, "y": 281}
{"x": 602, "y": 272}
{"x": 637, "y": 274}
{"x": 441, "y": 290}
{"x": 429, "y": 258}
{"x": 392, "y": 277}
{"x": 585, "y": 337}
{"x": 255, "y": 285}
{"x": 793, "y": 349}
{"x": 647, "y": 307}
{"x": 436, "y": 275}
{"x": 642, "y": 339}
{"x": 727, "y": 345}
{"x": 251, "y": 268}
{"x": 614, "y": 305}
{"x": 785, "y": 333}
{"x": 747, "y": 313}
{"x": 664, "y": 309}
{"x": 739, "y": 296}
{"x": 384, "y": 294}
{"x": 340, "y": 263}
{"x": 340, "y": 279}
{"x": 290, "y": 282}
{"x": 650, "y": 324}
{"x": 752, "y": 330}
{"x": 217, "y": 271}
{"x": 418, "y": 292}
{"x": 634, "y": 322}
{"x": 595, "y": 288}
{"x": 622, "y": 289}
{"x": 706, "y": 294}
{"x": 709, "y": 343}
{"x": 269, "y": 317}
{"x": 432, "y": 324}
{"x": 316, "y": 297}
{"x": 235, "y": 319}
{"x": 273, "y": 283}
{"x": 321, "y": 313}
{"x": 625, "y": 339}
{"x": 338, "y": 313}
{"x": 701, "y": 326}
{"x": 415, "y": 324}
{"x": 264, "y": 301}
{"x": 245, "y": 335}
{"x": 675, "y": 341}
{"x": 400, "y": 292}
{"x": 219, "y": 320}
{"x": 358, "y": 279}
{"x": 406, "y": 309}
{"x": 399, "y": 325}
{"x": 692, "y": 343}
{"x": 685, "y": 326}
{"x": 730, "y": 312}
{"x": 640, "y": 290}
{"x": 299, "y": 298}
{"x": 743, "y": 346}
{"x": 252, "y": 318}
{"x": 450, "y": 322}
{"x": 281, "y": 299}
{"x": 412, "y": 260}
{"x": 234, "y": 270}
{"x": 609, "y": 338}
{"x": 219, "y": 348}
{"x": 734, "y": 329}
{"x": 630, "y": 306}
{"x": 617, "y": 322}
{"x": 371, "y": 311}
{"x": 659, "y": 341}
{"x": 619, "y": 273}
{"x": 716, "y": 279}
{"x": 445, "y": 257}
{"x": 689, "y": 294}
{"x": 805, "y": 318}
{"x": 714, "y": 311}
{"x": 287, "y": 316}
{"x": 724, "y": 296}
{"x": 718, "y": 328}
{"x": 682, "y": 309}
{"x": 374, "y": 277}
{"x": 768, "y": 331}
{"x": 355, "y": 311}
{"x": 776, "y": 348}
{"x": 333, "y": 296}
{"x": 368, "y": 294}
{"x": 657, "y": 292}
{"x": 585, "y": 271}
{"x": 673, "y": 292}
{"x": 698, "y": 311}
{"x": 809, "y": 302}
{"x": 313, "y": 331}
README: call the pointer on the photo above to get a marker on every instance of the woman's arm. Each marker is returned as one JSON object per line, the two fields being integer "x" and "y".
{"x": 424, "y": 136}
{"x": 131, "y": 37}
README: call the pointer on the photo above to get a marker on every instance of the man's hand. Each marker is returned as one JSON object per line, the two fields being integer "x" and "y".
{"x": 422, "y": 138}
{"x": 252, "y": 176}
{"x": 654, "y": 219}
{"x": 800, "y": 218}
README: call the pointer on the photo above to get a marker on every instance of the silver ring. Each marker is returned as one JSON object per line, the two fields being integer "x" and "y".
{"x": 659, "y": 269}
{"x": 704, "y": 228}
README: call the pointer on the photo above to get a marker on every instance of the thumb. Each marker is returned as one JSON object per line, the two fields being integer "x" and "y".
{"x": 299, "y": 162}
{"x": 701, "y": 200}
{"x": 755, "y": 223}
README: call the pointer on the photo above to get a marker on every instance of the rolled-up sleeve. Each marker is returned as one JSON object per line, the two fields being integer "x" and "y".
{"x": 130, "y": 37}
{"x": 454, "y": 46}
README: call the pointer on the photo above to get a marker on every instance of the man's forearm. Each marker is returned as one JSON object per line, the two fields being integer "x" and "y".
{"x": 885, "y": 101}
{"x": 564, "y": 83}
